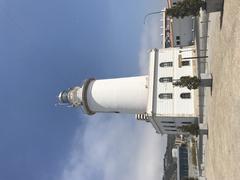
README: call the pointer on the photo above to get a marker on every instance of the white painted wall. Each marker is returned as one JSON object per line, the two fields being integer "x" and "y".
{"x": 168, "y": 114}
{"x": 183, "y": 27}
{"x": 183, "y": 106}
{"x": 165, "y": 122}
{"x": 127, "y": 95}
{"x": 175, "y": 106}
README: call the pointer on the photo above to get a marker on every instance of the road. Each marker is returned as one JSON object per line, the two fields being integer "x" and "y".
{"x": 223, "y": 106}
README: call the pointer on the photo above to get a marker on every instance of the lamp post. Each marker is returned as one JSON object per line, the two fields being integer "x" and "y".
{"x": 152, "y": 13}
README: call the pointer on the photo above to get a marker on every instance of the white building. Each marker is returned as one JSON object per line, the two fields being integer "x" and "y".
{"x": 177, "y": 32}
{"x": 152, "y": 97}
{"x": 170, "y": 107}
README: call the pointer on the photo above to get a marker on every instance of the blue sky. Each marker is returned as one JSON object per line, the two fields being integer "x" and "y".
{"x": 49, "y": 45}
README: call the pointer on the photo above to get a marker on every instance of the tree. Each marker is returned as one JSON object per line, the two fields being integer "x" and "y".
{"x": 193, "y": 129}
{"x": 186, "y": 8}
{"x": 189, "y": 82}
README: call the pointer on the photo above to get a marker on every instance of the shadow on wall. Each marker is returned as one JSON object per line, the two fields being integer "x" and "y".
{"x": 214, "y": 5}
{"x": 221, "y": 17}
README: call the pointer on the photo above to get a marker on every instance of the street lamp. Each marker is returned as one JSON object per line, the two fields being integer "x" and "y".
{"x": 152, "y": 13}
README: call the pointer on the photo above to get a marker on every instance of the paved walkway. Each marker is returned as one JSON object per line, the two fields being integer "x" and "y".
{"x": 203, "y": 67}
{"x": 223, "y": 147}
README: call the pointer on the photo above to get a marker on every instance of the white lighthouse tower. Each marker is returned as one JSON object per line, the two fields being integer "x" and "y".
{"x": 120, "y": 95}
{"x": 153, "y": 98}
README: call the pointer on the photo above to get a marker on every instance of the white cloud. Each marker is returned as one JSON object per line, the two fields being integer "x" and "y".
{"x": 151, "y": 38}
{"x": 116, "y": 148}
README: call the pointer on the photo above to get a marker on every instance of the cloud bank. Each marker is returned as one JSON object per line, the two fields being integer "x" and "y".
{"x": 151, "y": 38}
{"x": 116, "y": 148}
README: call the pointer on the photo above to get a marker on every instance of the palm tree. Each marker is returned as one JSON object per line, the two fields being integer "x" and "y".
{"x": 194, "y": 82}
{"x": 193, "y": 129}
{"x": 189, "y": 82}
{"x": 186, "y": 8}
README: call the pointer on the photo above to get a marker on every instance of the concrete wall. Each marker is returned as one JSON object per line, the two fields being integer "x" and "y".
{"x": 183, "y": 27}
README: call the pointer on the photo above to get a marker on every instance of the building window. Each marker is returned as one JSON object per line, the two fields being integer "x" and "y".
{"x": 185, "y": 95}
{"x": 165, "y": 96}
{"x": 165, "y": 79}
{"x": 166, "y": 64}
{"x": 169, "y": 126}
{"x": 171, "y": 130}
{"x": 167, "y": 122}
{"x": 178, "y": 41}
{"x": 186, "y": 122}
{"x": 185, "y": 63}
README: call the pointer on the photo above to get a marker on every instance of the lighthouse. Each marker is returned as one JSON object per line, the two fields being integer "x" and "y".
{"x": 119, "y": 95}
{"x": 152, "y": 98}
